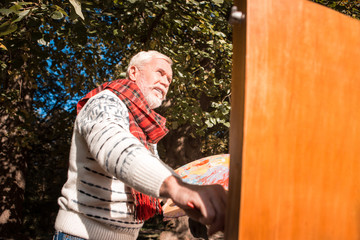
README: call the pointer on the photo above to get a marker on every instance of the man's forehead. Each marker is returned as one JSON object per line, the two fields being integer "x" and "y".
{"x": 162, "y": 60}
{"x": 162, "y": 63}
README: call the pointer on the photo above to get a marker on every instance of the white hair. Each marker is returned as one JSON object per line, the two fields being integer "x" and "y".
{"x": 143, "y": 57}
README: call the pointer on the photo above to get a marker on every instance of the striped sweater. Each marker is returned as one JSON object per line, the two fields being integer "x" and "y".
{"x": 105, "y": 161}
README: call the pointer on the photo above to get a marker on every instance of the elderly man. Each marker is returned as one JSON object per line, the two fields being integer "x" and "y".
{"x": 115, "y": 175}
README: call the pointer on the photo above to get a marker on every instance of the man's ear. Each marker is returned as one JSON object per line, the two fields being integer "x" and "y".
{"x": 133, "y": 73}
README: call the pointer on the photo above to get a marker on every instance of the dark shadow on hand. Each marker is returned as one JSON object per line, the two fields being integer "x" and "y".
{"x": 197, "y": 229}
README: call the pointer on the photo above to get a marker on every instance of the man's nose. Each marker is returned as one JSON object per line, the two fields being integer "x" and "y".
{"x": 165, "y": 82}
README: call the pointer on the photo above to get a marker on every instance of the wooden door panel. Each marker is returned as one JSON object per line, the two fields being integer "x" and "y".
{"x": 297, "y": 148}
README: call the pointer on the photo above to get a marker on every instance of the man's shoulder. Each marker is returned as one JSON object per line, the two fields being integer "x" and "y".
{"x": 106, "y": 101}
{"x": 106, "y": 93}
{"x": 105, "y": 96}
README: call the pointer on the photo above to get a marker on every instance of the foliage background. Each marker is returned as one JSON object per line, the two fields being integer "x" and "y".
{"x": 53, "y": 52}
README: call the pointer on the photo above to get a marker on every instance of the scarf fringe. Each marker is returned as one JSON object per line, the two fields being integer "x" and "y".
{"x": 145, "y": 206}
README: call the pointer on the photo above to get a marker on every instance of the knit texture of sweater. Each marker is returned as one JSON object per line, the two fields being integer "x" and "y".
{"x": 106, "y": 161}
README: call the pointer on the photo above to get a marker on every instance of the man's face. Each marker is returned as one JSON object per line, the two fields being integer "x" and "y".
{"x": 153, "y": 79}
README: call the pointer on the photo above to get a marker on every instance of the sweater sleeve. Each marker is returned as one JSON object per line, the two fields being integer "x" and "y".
{"x": 104, "y": 124}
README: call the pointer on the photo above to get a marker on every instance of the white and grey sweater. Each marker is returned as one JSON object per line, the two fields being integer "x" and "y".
{"x": 105, "y": 161}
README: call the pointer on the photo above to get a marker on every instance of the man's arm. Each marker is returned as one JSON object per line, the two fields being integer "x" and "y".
{"x": 205, "y": 204}
{"x": 103, "y": 123}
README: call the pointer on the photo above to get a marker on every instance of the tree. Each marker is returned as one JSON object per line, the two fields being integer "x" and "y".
{"x": 350, "y": 8}
{"x": 52, "y": 52}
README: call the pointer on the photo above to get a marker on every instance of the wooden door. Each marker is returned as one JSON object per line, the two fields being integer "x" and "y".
{"x": 295, "y": 123}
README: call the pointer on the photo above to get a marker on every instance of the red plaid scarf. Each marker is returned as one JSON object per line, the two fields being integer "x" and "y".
{"x": 145, "y": 124}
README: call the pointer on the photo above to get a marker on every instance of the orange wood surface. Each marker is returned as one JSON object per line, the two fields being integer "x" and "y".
{"x": 295, "y": 135}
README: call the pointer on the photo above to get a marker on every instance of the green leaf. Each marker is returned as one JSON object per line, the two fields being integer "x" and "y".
{"x": 41, "y": 41}
{"x": 5, "y": 11}
{"x": 3, "y": 65}
{"x": 22, "y": 14}
{"x": 77, "y": 6}
{"x": 2, "y": 46}
{"x": 178, "y": 22}
{"x": 209, "y": 124}
{"x": 227, "y": 124}
{"x": 60, "y": 10}
{"x": 16, "y": 7}
{"x": 57, "y": 15}
{"x": 5, "y": 25}
{"x": 180, "y": 74}
{"x": 25, "y": 3}
{"x": 10, "y": 29}
{"x": 218, "y": 2}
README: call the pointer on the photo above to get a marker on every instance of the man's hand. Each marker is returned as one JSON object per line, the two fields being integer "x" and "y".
{"x": 205, "y": 204}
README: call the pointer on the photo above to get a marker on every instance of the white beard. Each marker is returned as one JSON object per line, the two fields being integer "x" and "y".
{"x": 153, "y": 101}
